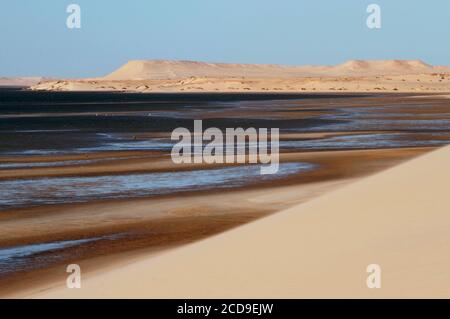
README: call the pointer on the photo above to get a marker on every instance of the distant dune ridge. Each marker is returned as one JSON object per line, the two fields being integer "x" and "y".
{"x": 20, "y": 81}
{"x": 163, "y": 69}
{"x": 189, "y": 76}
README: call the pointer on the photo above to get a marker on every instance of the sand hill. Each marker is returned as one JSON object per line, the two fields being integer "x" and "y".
{"x": 163, "y": 69}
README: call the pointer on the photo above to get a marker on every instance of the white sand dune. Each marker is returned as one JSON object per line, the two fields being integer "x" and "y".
{"x": 164, "y": 69}
{"x": 398, "y": 219}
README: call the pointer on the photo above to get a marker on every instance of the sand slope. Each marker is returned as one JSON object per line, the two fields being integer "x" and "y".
{"x": 399, "y": 219}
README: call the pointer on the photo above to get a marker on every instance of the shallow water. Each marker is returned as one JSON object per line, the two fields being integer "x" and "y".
{"x": 26, "y": 257}
{"x": 47, "y": 164}
{"x": 49, "y": 123}
{"x": 38, "y": 191}
{"x": 351, "y": 141}
{"x": 368, "y": 141}
{"x": 386, "y": 118}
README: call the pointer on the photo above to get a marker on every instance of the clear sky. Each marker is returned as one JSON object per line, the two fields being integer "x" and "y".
{"x": 36, "y": 41}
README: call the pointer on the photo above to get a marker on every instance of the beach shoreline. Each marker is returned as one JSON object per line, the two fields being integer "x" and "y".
{"x": 187, "y": 217}
{"x": 65, "y": 173}
{"x": 161, "y": 276}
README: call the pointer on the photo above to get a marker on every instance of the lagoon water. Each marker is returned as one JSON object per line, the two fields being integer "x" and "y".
{"x": 37, "y": 128}
{"x": 65, "y": 123}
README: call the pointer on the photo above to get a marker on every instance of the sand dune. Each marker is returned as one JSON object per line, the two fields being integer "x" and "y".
{"x": 188, "y": 76}
{"x": 397, "y": 219}
{"x": 163, "y": 70}
{"x": 21, "y": 81}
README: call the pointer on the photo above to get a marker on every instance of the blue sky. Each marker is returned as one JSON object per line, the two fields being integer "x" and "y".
{"x": 36, "y": 41}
